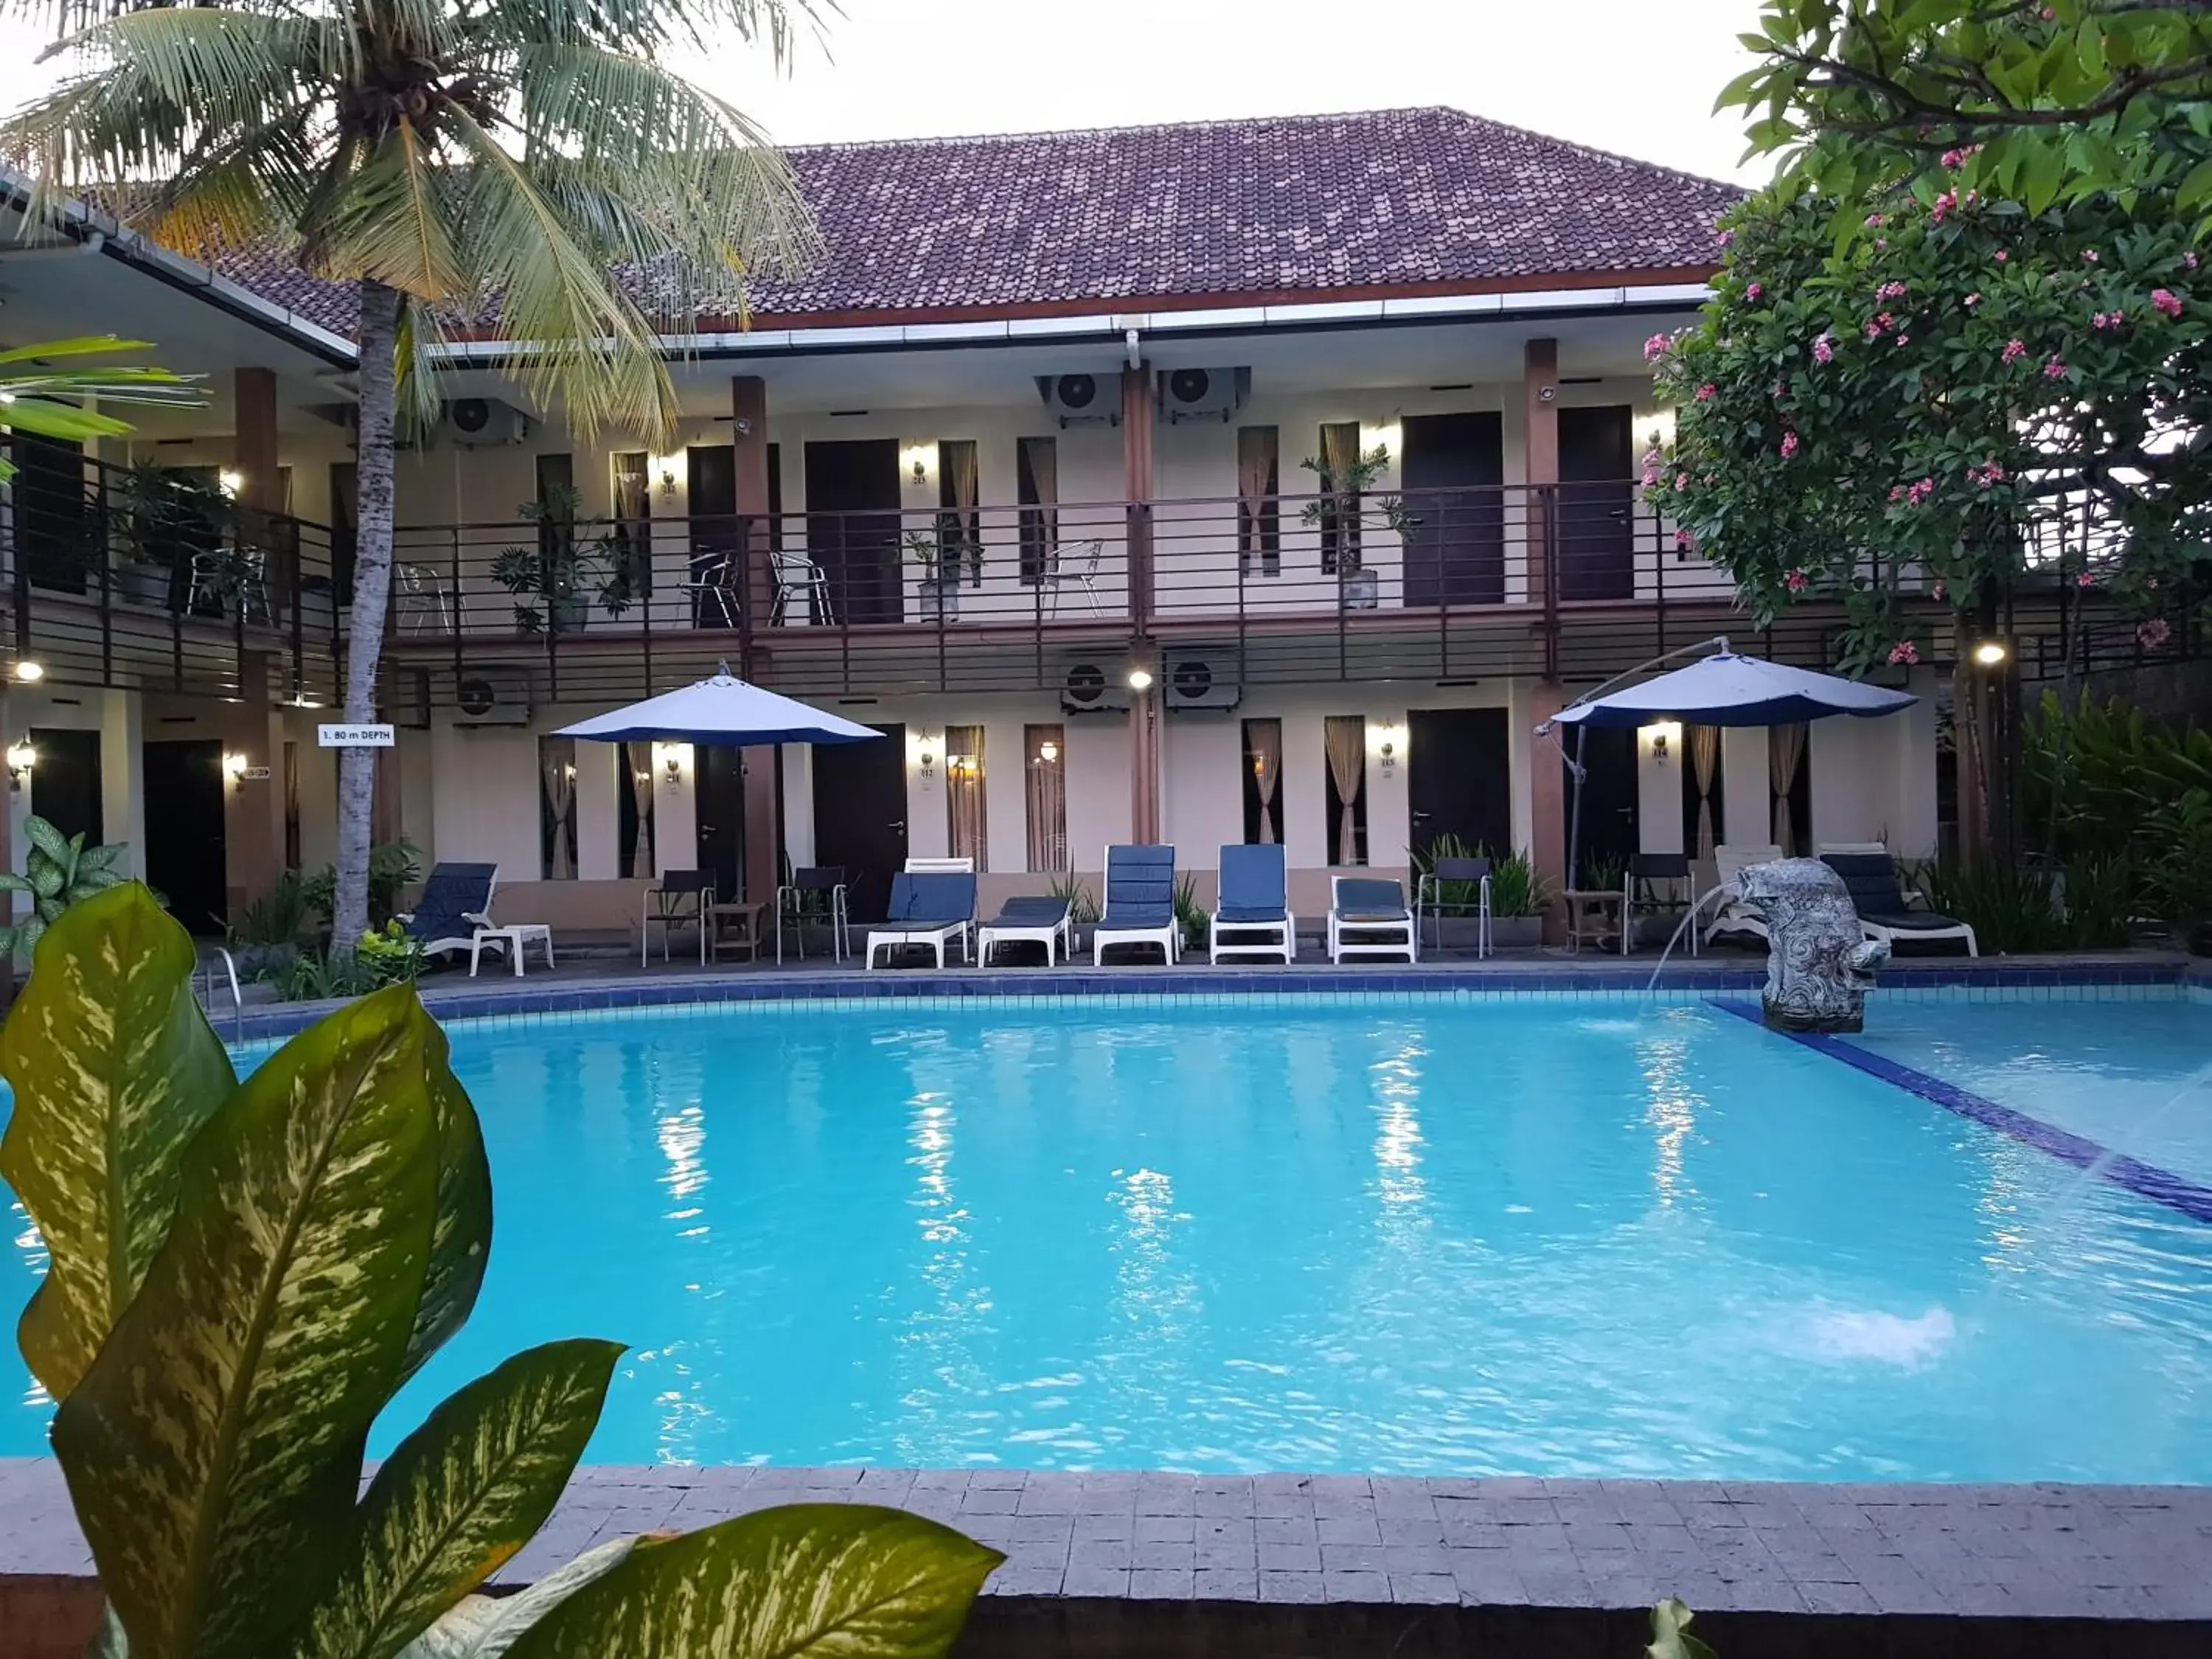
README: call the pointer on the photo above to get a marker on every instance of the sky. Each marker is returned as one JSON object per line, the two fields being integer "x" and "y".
{"x": 1629, "y": 76}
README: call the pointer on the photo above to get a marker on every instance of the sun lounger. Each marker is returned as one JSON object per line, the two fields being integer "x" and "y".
{"x": 456, "y": 901}
{"x": 1141, "y": 884}
{"x": 1032, "y": 921}
{"x": 928, "y": 908}
{"x": 1369, "y": 918}
{"x": 1254, "y": 908}
{"x": 1883, "y": 912}
{"x": 1734, "y": 917}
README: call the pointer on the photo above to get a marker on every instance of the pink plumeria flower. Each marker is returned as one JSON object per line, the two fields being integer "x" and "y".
{"x": 2153, "y": 633}
{"x": 1752, "y": 292}
{"x": 1972, "y": 300}
{"x": 1686, "y": 541}
{"x": 1876, "y": 221}
{"x": 2189, "y": 261}
{"x": 1788, "y": 445}
{"x": 2084, "y": 578}
{"x": 1904, "y": 652}
{"x": 2166, "y": 300}
{"x": 1890, "y": 291}
{"x": 1655, "y": 348}
{"x": 1897, "y": 492}
{"x": 2002, "y": 256}
{"x": 2102, "y": 319}
{"x": 2014, "y": 349}
{"x": 2089, "y": 255}
{"x": 1955, "y": 158}
{"x": 1795, "y": 581}
{"x": 1824, "y": 349}
{"x": 2054, "y": 370}
{"x": 1707, "y": 393}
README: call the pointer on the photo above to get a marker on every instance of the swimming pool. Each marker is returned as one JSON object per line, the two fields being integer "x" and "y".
{"x": 1426, "y": 1236}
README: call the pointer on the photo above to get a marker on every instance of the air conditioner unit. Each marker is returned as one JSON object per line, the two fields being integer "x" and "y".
{"x": 493, "y": 696}
{"x": 481, "y": 423}
{"x": 1083, "y": 399}
{"x": 1192, "y": 682}
{"x": 1089, "y": 688}
{"x": 1203, "y": 394}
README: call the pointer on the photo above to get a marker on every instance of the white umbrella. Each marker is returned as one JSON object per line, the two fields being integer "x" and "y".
{"x": 724, "y": 712}
{"x": 1726, "y": 690}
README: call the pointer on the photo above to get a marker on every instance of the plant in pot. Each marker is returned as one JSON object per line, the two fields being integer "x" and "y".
{"x": 160, "y": 516}
{"x": 1344, "y": 509}
{"x": 555, "y": 582}
{"x": 941, "y": 553}
{"x": 1518, "y": 899}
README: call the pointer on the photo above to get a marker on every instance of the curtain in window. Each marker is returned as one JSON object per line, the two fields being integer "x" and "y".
{"x": 557, "y": 767}
{"x": 1047, "y": 779}
{"x": 1785, "y": 753}
{"x": 1344, "y": 739}
{"x": 1340, "y": 515}
{"x": 637, "y": 769}
{"x": 1704, "y": 757}
{"x": 633, "y": 505}
{"x": 963, "y": 793}
{"x": 1038, "y": 488}
{"x": 960, "y": 526}
{"x": 1265, "y": 739}
{"x": 1258, "y": 523}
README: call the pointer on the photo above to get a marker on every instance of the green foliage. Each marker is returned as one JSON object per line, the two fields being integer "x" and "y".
{"x": 59, "y": 871}
{"x": 1604, "y": 875}
{"x": 1670, "y": 1634}
{"x": 393, "y": 867}
{"x": 69, "y": 404}
{"x": 385, "y": 955}
{"x": 1353, "y": 482}
{"x": 1887, "y": 401}
{"x": 2014, "y": 909}
{"x": 279, "y": 916}
{"x": 2178, "y": 861}
{"x": 1082, "y": 903}
{"x": 563, "y": 570}
{"x": 1190, "y": 915}
{"x": 1516, "y": 889}
{"x": 256, "y": 1267}
{"x": 2092, "y": 773}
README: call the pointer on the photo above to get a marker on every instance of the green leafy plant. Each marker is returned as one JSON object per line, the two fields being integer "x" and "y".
{"x": 563, "y": 571}
{"x": 69, "y": 404}
{"x": 1082, "y": 904}
{"x": 393, "y": 867}
{"x": 60, "y": 871}
{"x": 1604, "y": 875}
{"x": 1516, "y": 889}
{"x": 2177, "y": 841}
{"x": 941, "y": 552}
{"x": 385, "y": 955}
{"x": 1344, "y": 491}
{"x": 242, "y": 1276}
{"x": 279, "y": 916}
{"x": 1190, "y": 915}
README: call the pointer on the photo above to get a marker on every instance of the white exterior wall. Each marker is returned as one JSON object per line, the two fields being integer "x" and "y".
{"x": 119, "y": 719}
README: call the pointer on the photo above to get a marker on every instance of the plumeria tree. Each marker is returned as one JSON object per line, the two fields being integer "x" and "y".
{"x": 1934, "y": 393}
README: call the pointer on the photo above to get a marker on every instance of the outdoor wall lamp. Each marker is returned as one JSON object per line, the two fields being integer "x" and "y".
{"x": 920, "y": 472}
{"x": 230, "y": 481}
{"x": 673, "y": 766}
{"x": 20, "y": 758}
{"x": 928, "y": 764}
{"x": 1659, "y": 747}
{"x": 1990, "y": 652}
{"x": 1390, "y": 753}
{"x": 1048, "y": 751}
{"x": 30, "y": 673}
{"x": 1141, "y": 679}
{"x": 233, "y": 767}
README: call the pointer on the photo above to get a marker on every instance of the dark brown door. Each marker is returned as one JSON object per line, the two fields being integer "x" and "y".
{"x": 860, "y": 816}
{"x": 722, "y": 821}
{"x": 65, "y": 781}
{"x": 711, "y": 469}
{"x": 1606, "y": 833}
{"x": 1596, "y": 529}
{"x": 1451, "y": 476}
{"x": 185, "y": 857}
{"x": 852, "y": 528}
{"x": 1459, "y": 778}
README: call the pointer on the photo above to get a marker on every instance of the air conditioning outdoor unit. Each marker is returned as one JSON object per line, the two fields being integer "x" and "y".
{"x": 1083, "y": 399}
{"x": 1089, "y": 688}
{"x": 493, "y": 696}
{"x": 481, "y": 423}
{"x": 1203, "y": 394}
{"x": 1192, "y": 682}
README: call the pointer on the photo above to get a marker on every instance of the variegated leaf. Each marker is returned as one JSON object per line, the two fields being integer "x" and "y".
{"x": 114, "y": 1070}
{"x": 460, "y": 1246}
{"x": 459, "y": 1496}
{"x": 213, "y": 1449}
{"x": 817, "y": 1579}
{"x": 486, "y": 1626}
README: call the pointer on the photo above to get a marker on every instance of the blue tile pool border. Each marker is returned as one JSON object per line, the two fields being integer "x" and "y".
{"x": 2149, "y": 1181}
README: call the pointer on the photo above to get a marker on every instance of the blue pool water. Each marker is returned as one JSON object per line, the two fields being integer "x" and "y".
{"x": 1509, "y": 1236}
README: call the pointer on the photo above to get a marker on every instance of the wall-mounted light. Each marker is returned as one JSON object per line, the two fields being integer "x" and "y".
{"x": 920, "y": 460}
{"x": 30, "y": 673}
{"x": 1665, "y": 734}
{"x": 928, "y": 764}
{"x": 1048, "y": 752}
{"x": 673, "y": 757}
{"x": 229, "y": 481}
{"x": 674, "y": 768}
{"x": 233, "y": 767}
{"x": 1141, "y": 679}
{"x": 1390, "y": 753}
{"x": 1990, "y": 652}
{"x": 668, "y": 476}
{"x": 920, "y": 472}
{"x": 21, "y": 757}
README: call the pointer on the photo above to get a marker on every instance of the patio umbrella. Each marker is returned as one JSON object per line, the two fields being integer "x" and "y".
{"x": 722, "y": 713}
{"x": 1726, "y": 690}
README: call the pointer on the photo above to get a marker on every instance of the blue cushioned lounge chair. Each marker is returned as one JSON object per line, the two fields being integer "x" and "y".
{"x": 456, "y": 901}
{"x": 928, "y": 907}
{"x": 1033, "y": 920}
{"x": 1254, "y": 907}
{"x": 1140, "y": 884}
{"x": 1369, "y": 919}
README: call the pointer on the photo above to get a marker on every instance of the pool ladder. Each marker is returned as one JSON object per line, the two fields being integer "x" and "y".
{"x": 237, "y": 1000}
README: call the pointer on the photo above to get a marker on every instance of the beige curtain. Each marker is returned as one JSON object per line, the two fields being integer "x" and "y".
{"x": 557, "y": 763}
{"x": 958, "y": 474}
{"x": 1705, "y": 759}
{"x": 963, "y": 793}
{"x": 637, "y": 759}
{"x": 1344, "y": 739}
{"x": 1258, "y": 530}
{"x": 1264, "y": 738}
{"x": 1785, "y": 753}
{"x": 1046, "y": 754}
{"x": 1339, "y": 520}
{"x": 1039, "y": 523}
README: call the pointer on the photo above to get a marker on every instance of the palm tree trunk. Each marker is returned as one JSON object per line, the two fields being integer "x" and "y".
{"x": 372, "y": 595}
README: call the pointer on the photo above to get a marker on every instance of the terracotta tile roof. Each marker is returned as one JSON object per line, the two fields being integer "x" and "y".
{"x": 1209, "y": 212}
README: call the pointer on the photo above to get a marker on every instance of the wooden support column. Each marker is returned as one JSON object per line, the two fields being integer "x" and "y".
{"x": 254, "y": 458}
{"x": 1144, "y": 706}
{"x": 1548, "y": 803}
{"x": 749, "y": 437}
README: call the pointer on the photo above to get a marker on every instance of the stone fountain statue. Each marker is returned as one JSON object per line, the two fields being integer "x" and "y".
{"x": 1819, "y": 965}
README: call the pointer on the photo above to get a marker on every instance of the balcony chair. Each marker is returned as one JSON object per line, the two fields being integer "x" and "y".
{"x": 796, "y": 572}
{"x": 422, "y": 586}
{"x": 1433, "y": 898}
{"x": 1078, "y": 563}
{"x": 709, "y": 582}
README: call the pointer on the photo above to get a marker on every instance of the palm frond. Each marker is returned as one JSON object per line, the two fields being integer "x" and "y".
{"x": 420, "y": 339}
{"x": 393, "y": 221}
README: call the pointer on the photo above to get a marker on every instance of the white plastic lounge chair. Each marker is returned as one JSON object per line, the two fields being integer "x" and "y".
{"x": 1367, "y": 917}
{"x": 1730, "y": 862}
{"x": 1254, "y": 908}
{"x": 456, "y": 901}
{"x": 940, "y": 866}
{"x": 1141, "y": 882}
{"x": 1872, "y": 878}
{"x": 933, "y": 909}
{"x": 1035, "y": 920}
{"x": 1444, "y": 875}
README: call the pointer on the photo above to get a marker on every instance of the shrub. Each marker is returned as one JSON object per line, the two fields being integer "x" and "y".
{"x": 60, "y": 871}
{"x": 392, "y": 868}
{"x": 1516, "y": 889}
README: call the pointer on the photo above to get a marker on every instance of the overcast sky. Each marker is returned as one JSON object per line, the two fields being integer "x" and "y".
{"x": 1636, "y": 77}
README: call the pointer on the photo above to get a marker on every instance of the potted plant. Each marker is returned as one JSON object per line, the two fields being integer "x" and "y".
{"x": 555, "y": 582}
{"x": 161, "y": 514}
{"x": 1345, "y": 504}
{"x": 1518, "y": 899}
{"x": 940, "y": 553}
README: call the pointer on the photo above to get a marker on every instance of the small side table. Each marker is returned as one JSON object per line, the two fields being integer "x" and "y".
{"x": 515, "y": 939}
{"x": 1593, "y": 915}
{"x": 736, "y": 926}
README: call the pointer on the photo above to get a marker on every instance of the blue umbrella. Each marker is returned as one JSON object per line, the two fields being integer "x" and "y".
{"x": 724, "y": 712}
{"x": 1727, "y": 689}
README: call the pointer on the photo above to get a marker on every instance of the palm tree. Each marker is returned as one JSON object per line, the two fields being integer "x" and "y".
{"x": 517, "y": 167}
{"x": 36, "y": 397}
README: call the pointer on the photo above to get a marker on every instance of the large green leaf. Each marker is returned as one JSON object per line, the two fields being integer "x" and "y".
{"x": 817, "y": 1579}
{"x": 114, "y": 1070}
{"x": 462, "y": 1494}
{"x": 213, "y": 1448}
{"x": 460, "y": 1244}
{"x": 486, "y": 1626}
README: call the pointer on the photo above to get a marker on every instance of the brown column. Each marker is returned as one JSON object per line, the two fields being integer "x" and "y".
{"x": 1548, "y": 814}
{"x": 1547, "y": 801}
{"x": 1539, "y": 377}
{"x": 749, "y": 436}
{"x": 386, "y": 817}
{"x": 254, "y": 450}
{"x": 1144, "y": 706}
{"x": 252, "y": 808}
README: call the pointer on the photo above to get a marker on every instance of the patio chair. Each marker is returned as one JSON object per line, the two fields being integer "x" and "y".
{"x": 422, "y": 595}
{"x": 1035, "y": 920}
{"x": 1253, "y": 907}
{"x": 1077, "y": 562}
{"x": 930, "y": 909}
{"x": 1367, "y": 917}
{"x": 826, "y": 881}
{"x": 1655, "y": 884}
{"x": 1141, "y": 884}
{"x": 456, "y": 901}
{"x": 796, "y": 572}
{"x": 1444, "y": 875}
{"x": 680, "y": 899}
{"x": 1883, "y": 912}
{"x": 1734, "y": 916}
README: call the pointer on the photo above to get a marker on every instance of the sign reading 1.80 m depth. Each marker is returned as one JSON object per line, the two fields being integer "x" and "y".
{"x": 353, "y": 737}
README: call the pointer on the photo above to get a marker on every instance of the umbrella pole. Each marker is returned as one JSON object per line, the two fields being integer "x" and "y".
{"x": 1574, "y": 812}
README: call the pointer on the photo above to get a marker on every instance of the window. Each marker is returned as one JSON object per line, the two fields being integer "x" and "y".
{"x": 1036, "y": 491}
{"x": 556, "y": 505}
{"x": 556, "y": 809}
{"x": 1790, "y": 788}
{"x": 1045, "y": 748}
{"x": 1339, "y": 506}
{"x": 1259, "y": 510}
{"x": 959, "y": 522}
{"x": 1703, "y": 790}
{"x": 1344, "y": 745}
{"x": 776, "y": 498}
{"x": 1263, "y": 782}
{"x": 345, "y": 520}
{"x": 630, "y": 489}
{"x": 634, "y": 809}
{"x": 964, "y": 833}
